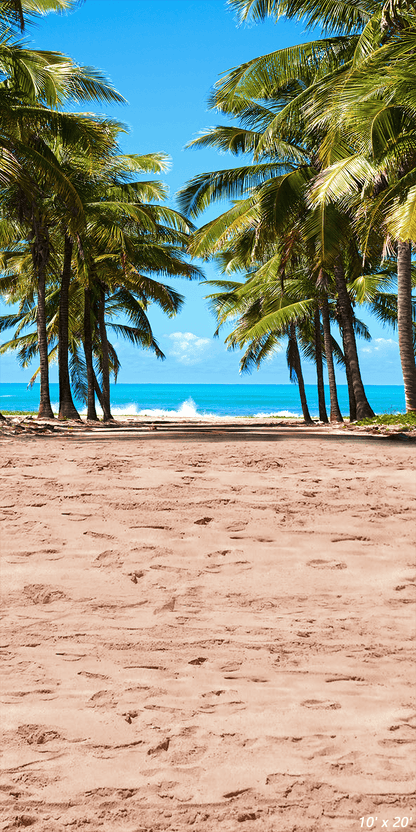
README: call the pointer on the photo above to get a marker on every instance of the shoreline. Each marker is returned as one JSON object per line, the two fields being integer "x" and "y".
{"x": 29, "y": 423}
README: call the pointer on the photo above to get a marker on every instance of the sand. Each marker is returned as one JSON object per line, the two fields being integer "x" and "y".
{"x": 207, "y": 626}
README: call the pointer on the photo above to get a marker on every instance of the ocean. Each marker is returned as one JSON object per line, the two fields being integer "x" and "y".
{"x": 193, "y": 400}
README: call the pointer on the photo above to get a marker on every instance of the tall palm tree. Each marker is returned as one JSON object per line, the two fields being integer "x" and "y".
{"x": 377, "y": 183}
{"x": 34, "y": 207}
{"x": 364, "y": 108}
{"x": 112, "y": 260}
{"x": 278, "y": 188}
{"x": 33, "y": 83}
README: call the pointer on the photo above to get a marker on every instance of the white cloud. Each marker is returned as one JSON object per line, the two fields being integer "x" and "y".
{"x": 188, "y": 348}
{"x": 381, "y": 345}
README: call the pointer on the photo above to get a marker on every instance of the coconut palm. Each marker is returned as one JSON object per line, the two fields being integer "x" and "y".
{"x": 376, "y": 182}
{"x": 112, "y": 258}
{"x": 276, "y": 198}
{"x": 346, "y": 17}
{"x": 33, "y": 82}
{"x": 18, "y": 12}
{"x": 35, "y": 208}
{"x": 363, "y": 107}
{"x": 127, "y": 241}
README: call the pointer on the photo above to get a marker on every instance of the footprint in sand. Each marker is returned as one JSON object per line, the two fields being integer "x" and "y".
{"x": 237, "y": 526}
{"x": 37, "y": 734}
{"x": 76, "y": 517}
{"x": 102, "y": 699}
{"x": 168, "y": 607}
{"x": 243, "y": 565}
{"x": 100, "y": 534}
{"x": 109, "y": 558}
{"x": 222, "y": 552}
{"x": 91, "y": 675}
{"x": 134, "y": 576}
{"x": 348, "y": 538}
{"x": 345, "y": 679}
{"x": 318, "y": 704}
{"x": 320, "y": 563}
{"x": 203, "y": 521}
{"x": 158, "y": 749}
{"x": 223, "y": 707}
{"x": 40, "y": 594}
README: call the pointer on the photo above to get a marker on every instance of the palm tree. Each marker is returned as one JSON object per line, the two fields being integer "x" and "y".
{"x": 112, "y": 260}
{"x": 366, "y": 104}
{"x": 346, "y": 17}
{"x": 34, "y": 208}
{"x": 36, "y": 81}
{"x": 259, "y": 345}
{"x": 377, "y": 185}
{"x": 17, "y": 12}
{"x": 279, "y": 189}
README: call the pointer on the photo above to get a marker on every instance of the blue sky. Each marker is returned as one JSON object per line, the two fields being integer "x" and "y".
{"x": 164, "y": 56}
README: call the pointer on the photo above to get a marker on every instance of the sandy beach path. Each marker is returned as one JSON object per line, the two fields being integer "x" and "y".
{"x": 207, "y": 628}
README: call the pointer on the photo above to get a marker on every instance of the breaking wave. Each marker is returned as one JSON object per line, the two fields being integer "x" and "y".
{"x": 185, "y": 411}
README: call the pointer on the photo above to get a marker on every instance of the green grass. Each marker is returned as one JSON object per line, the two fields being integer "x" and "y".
{"x": 405, "y": 419}
{"x": 19, "y": 412}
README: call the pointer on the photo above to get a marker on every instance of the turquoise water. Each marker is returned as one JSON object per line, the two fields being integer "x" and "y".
{"x": 156, "y": 400}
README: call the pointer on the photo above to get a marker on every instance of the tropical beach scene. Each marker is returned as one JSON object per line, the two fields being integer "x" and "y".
{"x": 207, "y": 415}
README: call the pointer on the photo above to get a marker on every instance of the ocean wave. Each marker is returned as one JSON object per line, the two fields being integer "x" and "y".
{"x": 280, "y": 413}
{"x": 186, "y": 410}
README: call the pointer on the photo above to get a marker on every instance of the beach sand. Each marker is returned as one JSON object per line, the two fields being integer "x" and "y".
{"x": 207, "y": 626}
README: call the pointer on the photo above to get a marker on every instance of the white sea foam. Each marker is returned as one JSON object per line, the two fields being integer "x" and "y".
{"x": 186, "y": 410}
{"x": 122, "y": 410}
{"x": 280, "y": 413}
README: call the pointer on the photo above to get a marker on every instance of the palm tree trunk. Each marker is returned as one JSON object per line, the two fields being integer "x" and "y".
{"x": 364, "y": 411}
{"x": 67, "y": 409}
{"x": 335, "y": 413}
{"x": 45, "y": 409}
{"x": 298, "y": 370}
{"x": 98, "y": 392}
{"x": 323, "y": 416}
{"x": 351, "y": 396}
{"x": 105, "y": 362}
{"x": 404, "y": 323}
{"x": 40, "y": 256}
{"x": 91, "y": 411}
